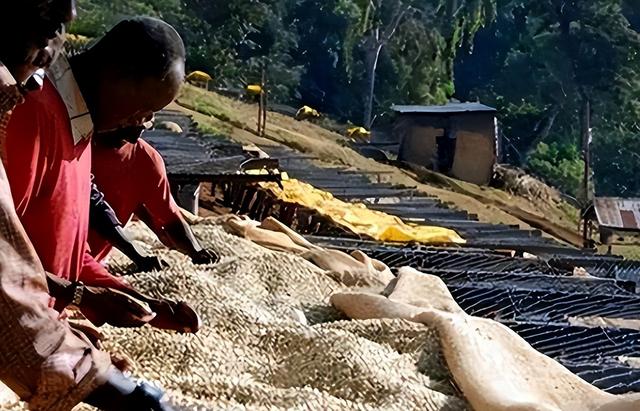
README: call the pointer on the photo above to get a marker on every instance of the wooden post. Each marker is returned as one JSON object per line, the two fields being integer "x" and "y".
{"x": 262, "y": 104}
{"x": 263, "y": 101}
{"x": 586, "y": 156}
{"x": 259, "y": 131}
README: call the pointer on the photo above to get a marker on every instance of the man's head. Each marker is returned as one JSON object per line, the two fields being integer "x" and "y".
{"x": 26, "y": 28}
{"x": 136, "y": 69}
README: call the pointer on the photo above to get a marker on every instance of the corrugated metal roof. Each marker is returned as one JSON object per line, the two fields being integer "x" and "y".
{"x": 446, "y": 109}
{"x": 618, "y": 213}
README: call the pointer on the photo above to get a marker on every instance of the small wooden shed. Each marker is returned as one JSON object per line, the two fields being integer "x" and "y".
{"x": 616, "y": 216}
{"x": 458, "y": 139}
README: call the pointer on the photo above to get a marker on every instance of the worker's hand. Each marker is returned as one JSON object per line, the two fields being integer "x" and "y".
{"x": 121, "y": 361}
{"x": 89, "y": 331}
{"x": 104, "y": 305}
{"x": 204, "y": 256}
{"x": 174, "y": 315}
{"x": 151, "y": 263}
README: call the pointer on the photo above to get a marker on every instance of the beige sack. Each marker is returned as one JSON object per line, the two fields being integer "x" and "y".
{"x": 493, "y": 366}
{"x": 356, "y": 269}
{"x": 251, "y": 230}
{"x": 351, "y": 270}
{"x": 272, "y": 224}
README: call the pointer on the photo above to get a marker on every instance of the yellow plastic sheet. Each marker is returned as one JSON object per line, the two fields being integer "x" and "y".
{"x": 254, "y": 89}
{"x": 359, "y": 132}
{"x": 307, "y": 112}
{"x": 199, "y": 76}
{"x": 359, "y": 219}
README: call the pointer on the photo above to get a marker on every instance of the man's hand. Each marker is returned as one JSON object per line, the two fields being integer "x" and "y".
{"x": 204, "y": 256}
{"x": 175, "y": 316}
{"x": 121, "y": 361}
{"x": 150, "y": 263}
{"x": 170, "y": 315}
{"x": 104, "y": 305}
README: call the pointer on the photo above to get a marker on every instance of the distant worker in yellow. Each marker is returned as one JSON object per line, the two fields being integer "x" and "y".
{"x": 307, "y": 113}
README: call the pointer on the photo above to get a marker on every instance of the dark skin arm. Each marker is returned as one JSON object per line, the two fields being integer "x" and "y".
{"x": 117, "y": 236}
{"x": 100, "y": 305}
{"x": 178, "y": 235}
{"x": 182, "y": 238}
{"x": 104, "y": 222}
{"x": 117, "y": 308}
{"x": 119, "y": 239}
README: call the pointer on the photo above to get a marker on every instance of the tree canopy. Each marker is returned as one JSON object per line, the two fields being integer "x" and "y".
{"x": 540, "y": 61}
{"x": 537, "y": 61}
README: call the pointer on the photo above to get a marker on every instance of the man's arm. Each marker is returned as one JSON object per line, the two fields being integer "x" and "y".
{"x": 104, "y": 221}
{"x": 160, "y": 212}
{"x": 185, "y": 241}
{"x": 177, "y": 235}
{"x": 100, "y": 305}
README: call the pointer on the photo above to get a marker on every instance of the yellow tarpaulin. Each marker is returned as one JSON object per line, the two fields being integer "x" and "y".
{"x": 254, "y": 89}
{"x": 199, "y": 76}
{"x": 359, "y": 219}
{"x": 358, "y": 132}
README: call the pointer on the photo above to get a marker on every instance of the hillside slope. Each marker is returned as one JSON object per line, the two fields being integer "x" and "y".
{"x": 237, "y": 120}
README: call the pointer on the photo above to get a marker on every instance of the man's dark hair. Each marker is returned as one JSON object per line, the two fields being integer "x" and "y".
{"x": 139, "y": 47}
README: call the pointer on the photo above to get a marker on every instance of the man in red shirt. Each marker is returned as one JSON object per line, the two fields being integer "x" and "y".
{"x": 133, "y": 180}
{"x": 42, "y": 359}
{"x": 134, "y": 70}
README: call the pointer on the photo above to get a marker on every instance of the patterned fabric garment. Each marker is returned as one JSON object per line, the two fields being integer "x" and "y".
{"x": 41, "y": 358}
{"x": 10, "y": 97}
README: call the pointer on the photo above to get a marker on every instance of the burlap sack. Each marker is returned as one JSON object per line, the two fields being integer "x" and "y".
{"x": 493, "y": 366}
{"x": 352, "y": 270}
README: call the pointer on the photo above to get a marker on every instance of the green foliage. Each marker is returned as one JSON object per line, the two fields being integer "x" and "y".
{"x": 537, "y": 61}
{"x": 543, "y": 59}
{"x": 559, "y": 164}
{"x": 314, "y": 49}
{"x": 617, "y": 161}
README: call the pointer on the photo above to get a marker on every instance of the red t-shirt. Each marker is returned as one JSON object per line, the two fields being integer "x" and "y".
{"x": 133, "y": 180}
{"x": 50, "y": 184}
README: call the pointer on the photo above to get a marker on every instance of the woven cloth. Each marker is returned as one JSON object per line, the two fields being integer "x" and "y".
{"x": 494, "y": 367}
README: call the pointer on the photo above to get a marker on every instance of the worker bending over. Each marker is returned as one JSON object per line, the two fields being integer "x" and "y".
{"x": 42, "y": 359}
{"x": 130, "y": 179}
{"x": 135, "y": 69}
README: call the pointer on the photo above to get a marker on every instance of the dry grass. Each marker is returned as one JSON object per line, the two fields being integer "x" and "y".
{"x": 238, "y": 120}
{"x": 628, "y": 251}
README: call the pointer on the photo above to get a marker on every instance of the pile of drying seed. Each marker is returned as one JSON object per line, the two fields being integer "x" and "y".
{"x": 271, "y": 341}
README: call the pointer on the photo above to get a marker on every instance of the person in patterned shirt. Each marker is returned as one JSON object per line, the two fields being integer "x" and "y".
{"x": 42, "y": 359}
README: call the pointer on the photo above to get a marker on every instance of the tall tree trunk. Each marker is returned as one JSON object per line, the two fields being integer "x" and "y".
{"x": 543, "y": 129}
{"x": 378, "y": 38}
{"x": 585, "y": 128}
{"x": 373, "y": 55}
